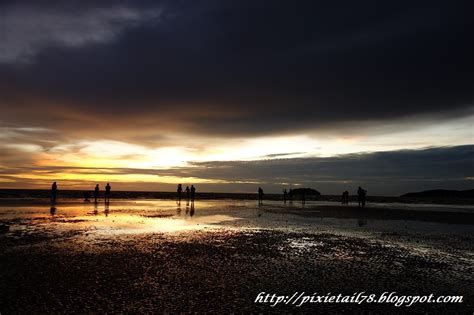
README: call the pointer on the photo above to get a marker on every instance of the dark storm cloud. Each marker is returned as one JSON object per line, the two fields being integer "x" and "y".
{"x": 390, "y": 173}
{"x": 233, "y": 67}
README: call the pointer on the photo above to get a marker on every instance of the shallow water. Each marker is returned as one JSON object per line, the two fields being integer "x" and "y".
{"x": 167, "y": 216}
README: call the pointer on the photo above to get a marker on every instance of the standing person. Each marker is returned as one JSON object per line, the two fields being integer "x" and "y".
{"x": 193, "y": 193}
{"x": 107, "y": 192}
{"x": 260, "y": 195}
{"x": 285, "y": 195}
{"x": 96, "y": 193}
{"x": 54, "y": 190}
{"x": 187, "y": 194}
{"x": 345, "y": 198}
{"x": 361, "y": 196}
{"x": 179, "y": 191}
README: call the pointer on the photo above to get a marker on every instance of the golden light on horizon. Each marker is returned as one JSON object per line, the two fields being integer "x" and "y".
{"x": 86, "y": 161}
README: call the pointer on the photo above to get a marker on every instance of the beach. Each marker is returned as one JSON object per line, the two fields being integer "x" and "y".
{"x": 148, "y": 255}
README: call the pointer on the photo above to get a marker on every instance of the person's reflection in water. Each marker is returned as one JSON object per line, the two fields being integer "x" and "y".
{"x": 191, "y": 213}
{"x": 52, "y": 209}
{"x": 96, "y": 209}
{"x": 106, "y": 209}
{"x": 178, "y": 209}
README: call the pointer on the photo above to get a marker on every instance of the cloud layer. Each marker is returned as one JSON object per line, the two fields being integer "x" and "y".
{"x": 233, "y": 68}
{"x": 382, "y": 173}
{"x": 167, "y": 87}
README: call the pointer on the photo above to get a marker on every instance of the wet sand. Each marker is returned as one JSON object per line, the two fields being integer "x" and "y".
{"x": 154, "y": 256}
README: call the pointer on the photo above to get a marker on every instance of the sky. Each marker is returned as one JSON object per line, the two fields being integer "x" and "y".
{"x": 233, "y": 95}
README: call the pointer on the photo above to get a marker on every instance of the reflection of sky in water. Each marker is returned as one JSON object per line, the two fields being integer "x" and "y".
{"x": 164, "y": 216}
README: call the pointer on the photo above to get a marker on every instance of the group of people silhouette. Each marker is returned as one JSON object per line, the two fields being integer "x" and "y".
{"x": 54, "y": 192}
{"x": 190, "y": 193}
{"x": 288, "y": 196}
{"x": 361, "y": 196}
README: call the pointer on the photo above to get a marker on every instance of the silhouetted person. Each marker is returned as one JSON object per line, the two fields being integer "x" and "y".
{"x": 96, "y": 193}
{"x": 193, "y": 195}
{"x": 187, "y": 194}
{"x": 54, "y": 191}
{"x": 107, "y": 192}
{"x": 290, "y": 196}
{"x": 285, "y": 196}
{"x": 345, "y": 198}
{"x": 260, "y": 195}
{"x": 179, "y": 191}
{"x": 361, "y": 193}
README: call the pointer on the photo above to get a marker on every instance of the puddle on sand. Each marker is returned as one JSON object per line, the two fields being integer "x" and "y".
{"x": 121, "y": 217}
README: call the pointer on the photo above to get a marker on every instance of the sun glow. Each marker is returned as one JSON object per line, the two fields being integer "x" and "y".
{"x": 37, "y": 163}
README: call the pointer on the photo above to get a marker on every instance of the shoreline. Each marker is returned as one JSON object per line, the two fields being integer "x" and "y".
{"x": 40, "y": 194}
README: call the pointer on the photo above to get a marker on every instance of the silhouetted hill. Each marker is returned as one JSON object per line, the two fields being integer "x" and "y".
{"x": 441, "y": 193}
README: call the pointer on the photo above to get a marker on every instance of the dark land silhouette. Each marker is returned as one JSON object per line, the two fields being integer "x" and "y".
{"x": 442, "y": 193}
